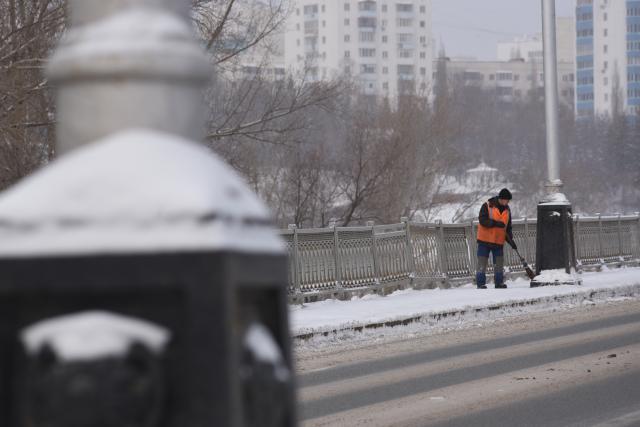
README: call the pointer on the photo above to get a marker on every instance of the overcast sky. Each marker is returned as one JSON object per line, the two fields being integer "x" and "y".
{"x": 473, "y": 27}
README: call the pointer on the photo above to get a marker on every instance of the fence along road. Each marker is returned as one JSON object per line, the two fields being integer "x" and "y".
{"x": 338, "y": 262}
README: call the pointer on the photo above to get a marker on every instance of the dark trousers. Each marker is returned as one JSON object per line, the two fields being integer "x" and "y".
{"x": 483, "y": 260}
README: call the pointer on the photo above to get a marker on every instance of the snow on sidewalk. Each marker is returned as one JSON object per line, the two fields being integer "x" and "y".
{"x": 457, "y": 305}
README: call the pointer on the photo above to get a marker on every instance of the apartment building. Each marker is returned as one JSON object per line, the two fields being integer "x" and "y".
{"x": 511, "y": 80}
{"x": 607, "y": 57}
{"x": 530, "y": 47}
{"x": 384, "y": 45}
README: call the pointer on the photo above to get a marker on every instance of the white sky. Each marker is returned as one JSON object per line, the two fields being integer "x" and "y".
{"x": 473, "y": 27}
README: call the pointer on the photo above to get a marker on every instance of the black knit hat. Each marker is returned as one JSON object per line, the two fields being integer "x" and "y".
{"x": 505, "y": 194}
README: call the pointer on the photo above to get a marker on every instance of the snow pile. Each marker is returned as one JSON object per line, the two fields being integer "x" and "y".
{"x": 555, "y": 199}
{"x": 420, "y": 309}
{"x": 264, "y": 347}
{"x": 137, "y": 190}
{"x": 93, "y": 334}
{"x": 555, "y": 276}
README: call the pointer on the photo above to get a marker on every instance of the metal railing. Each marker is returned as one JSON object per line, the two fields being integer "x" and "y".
{"x": 342, "y": 258}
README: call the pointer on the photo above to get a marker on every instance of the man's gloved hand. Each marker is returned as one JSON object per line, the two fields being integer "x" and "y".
{"x": 499, "y": 224}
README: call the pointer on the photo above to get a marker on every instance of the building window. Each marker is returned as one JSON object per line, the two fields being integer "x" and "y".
{"x": 423, "y": 9}
{"x": 346, "y": 21}
{"x": 346, "y": 7}
{"x": 324, "y": 24}
{"x": 516, "y": 77}
{"x": 404, "y": 7}
{"x": 322, "y": 8}
{"x": 385, "y": 85}
{"x": 368, "y": 69}
{"x": 385, "y": 70}
{"x": 384, "y": 39}
{"x": 491, "y": 77}
{"x": 367, "y": 52}
{"x": 298, "y": 27}
{"x": 311, "y": 9}
{"x": 366, "y": 22}
{"x": 422, "y": 24}
{"x": 298, "y": 12}
{"x": 605, "y": 48}
{"x": 385, "y": 54}
{"x": 423, "y": 55}
{"x": 367, "y": 6}
{"x": 367, "y": 36}
{"x": 384, "y": 7}
{"x": 405, "y": 53}
{"x": 423, "y": 39}
{"x": 404, "y": 22}
{"x": 423, "y": 71}
{"x": 347, "y": 70}
{"x": 347, "y": 54}
{"x": 606, "y": 32}
{"x": 405, "y": 70}
{"x": 605, "y": 81}
{"x": 605, "y": 16}
{"x": 298, "y": 42}
{"x": 347, "y": 38}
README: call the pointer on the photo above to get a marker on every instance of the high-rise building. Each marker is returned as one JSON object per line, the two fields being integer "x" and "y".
{"x": 607, "y": 57}
{"x": 529, "y": 47}
{"x": 511, "y": 81}
{"x": 385, "y": 45}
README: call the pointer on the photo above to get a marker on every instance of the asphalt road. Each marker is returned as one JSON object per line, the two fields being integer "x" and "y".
{"x": 580, "y": 367}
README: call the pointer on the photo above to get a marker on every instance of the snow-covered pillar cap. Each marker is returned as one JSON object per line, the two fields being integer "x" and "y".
{"x": 128, "y": 64}
{"x": 93, "y": 334}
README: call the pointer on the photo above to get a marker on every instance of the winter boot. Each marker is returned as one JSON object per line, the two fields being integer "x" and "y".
{"x": 499, "y": 279}
{"x": 481, "y": 280}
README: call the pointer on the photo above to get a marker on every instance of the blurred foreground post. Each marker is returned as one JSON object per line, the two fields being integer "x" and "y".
{"x": 141, "y": 281}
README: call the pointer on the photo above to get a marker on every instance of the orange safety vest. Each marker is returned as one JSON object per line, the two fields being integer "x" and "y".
{"x": 495, "y": 235}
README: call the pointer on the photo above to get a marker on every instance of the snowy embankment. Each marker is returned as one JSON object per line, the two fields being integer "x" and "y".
{"x": 422, "y": 309}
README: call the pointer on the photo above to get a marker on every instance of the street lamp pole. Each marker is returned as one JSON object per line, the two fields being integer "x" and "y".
{"x": 554, "y": 184}
{"x": 555, "y": 249}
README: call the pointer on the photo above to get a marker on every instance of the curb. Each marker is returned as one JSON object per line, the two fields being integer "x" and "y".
{"x": 434, "y": 318}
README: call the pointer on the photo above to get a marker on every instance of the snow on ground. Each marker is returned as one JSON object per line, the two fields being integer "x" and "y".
{"x": 328, "y": 321}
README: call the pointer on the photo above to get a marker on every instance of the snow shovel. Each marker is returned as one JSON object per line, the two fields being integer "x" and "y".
{"x": 527, "y": 269}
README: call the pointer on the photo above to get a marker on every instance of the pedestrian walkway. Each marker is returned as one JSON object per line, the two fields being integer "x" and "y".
{"x": 453, "y": 307}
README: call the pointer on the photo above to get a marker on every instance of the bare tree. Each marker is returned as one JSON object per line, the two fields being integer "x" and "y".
{"x": 27, "y": 31}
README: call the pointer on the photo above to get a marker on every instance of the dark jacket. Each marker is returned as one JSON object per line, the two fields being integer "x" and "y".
{"x": 484, "y": 219}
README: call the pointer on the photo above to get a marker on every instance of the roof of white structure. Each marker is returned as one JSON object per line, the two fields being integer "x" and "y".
{"x": 135, "y": 191}
{"x": 482, "y": 167}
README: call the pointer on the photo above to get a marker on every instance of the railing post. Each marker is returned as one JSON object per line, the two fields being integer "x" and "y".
{"x": 296, "y": 259}
{"x": 411, "y": 262}
{"x": 576, "y": 239}
{"x": 620, "y": 252}
{"x": 442, "y": 255}
{"x": 601, "y": 251}
{"x": 637, "y": 235}
{"x": 468, "y": 230}
{"x": 526, "y": 239}
{"x": 473, "y": 257}
{"x": 374, "y": 250}
{"x": 336, "y": 256}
